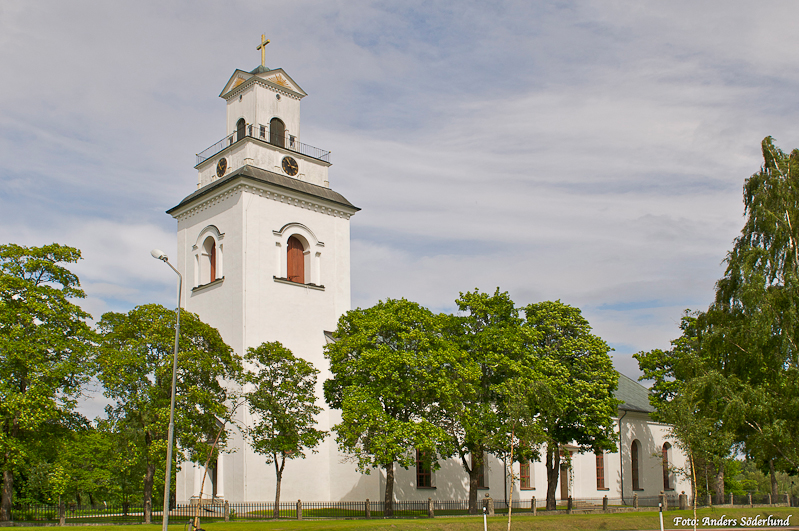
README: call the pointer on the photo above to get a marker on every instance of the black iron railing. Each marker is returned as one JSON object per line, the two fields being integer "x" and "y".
{"x": 261, "y": 132}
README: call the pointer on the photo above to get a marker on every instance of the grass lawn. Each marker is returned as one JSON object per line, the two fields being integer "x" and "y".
{"x": 522, "y": 521}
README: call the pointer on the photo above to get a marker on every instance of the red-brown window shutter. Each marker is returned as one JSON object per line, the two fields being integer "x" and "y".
{"x": 296, "y": 261}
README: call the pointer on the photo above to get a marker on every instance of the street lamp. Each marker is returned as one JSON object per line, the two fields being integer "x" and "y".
{"x": 160, "y": 255}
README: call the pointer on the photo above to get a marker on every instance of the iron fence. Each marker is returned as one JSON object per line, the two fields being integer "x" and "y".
{"x": 262, "y": 133}
{"x": 217, "y": 510}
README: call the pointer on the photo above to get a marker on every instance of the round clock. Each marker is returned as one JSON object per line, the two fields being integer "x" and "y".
{"x": 221, "y": 167}
{"x": 290, "y": 166}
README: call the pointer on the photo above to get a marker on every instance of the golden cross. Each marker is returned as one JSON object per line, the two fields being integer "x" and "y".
{"x": 262, "y": 47}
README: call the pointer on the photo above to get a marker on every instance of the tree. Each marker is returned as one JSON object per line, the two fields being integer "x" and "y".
{"x": 283, "y": 400}
{"x": 390, "y": 366}
{"x": 494, "y": 344}
{"x": 45, "y": 345}
{"x": 689, "y": 394}
{"x": 577, "y": 380}
{"x": 752, "y": 328}
{"x": 135, "y": 367}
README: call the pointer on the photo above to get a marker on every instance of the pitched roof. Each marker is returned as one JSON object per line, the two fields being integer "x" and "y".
{"x": 259, "y": 175}
{"x": 634, "y": 396}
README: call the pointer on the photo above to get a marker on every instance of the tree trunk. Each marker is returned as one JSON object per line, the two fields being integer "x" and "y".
{"x": 149, "y": 478}
{"x": 388, "y": 499}
{"x": 474, "y": 479}
{"x": 553, "y": 470}
{"x": 8, "y": 496}
{"x": 773, "y": 474}
{"x": 720, "y": 485}
{"x": 279, "y": 476}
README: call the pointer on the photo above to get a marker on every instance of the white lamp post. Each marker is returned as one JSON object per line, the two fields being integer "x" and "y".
{"x": 160, "y": 255}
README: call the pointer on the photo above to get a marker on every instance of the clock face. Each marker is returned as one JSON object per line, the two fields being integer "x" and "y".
{"x": 221, "y": 167}
{"x": 290, "y": 166}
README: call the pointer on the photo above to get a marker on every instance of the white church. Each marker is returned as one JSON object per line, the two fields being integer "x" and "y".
{"x": 264, "y": 248}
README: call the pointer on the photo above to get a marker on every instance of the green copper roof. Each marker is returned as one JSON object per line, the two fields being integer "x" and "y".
{"x": 260, "y": 69}
{"x": 635, "y": 397}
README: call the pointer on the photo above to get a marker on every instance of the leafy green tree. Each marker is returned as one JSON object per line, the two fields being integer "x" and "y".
{"x": 135, "y": 367}
{"x": 390, "y": 366}
{"x": 283, "y": 399}
{"x": 489, "y": 332}
{"x": 45, "y": 345}
{"x": 751, "y": 331}
{"x": 689, "y": 394}
{"x": 578, "y": 382}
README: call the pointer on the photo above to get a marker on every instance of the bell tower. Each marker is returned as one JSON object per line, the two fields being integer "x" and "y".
{"x": 264, "y": 248}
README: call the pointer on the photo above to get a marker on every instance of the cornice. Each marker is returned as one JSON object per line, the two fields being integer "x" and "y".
{"x": 244, "y": 185}
{"x": 235, "y": 91}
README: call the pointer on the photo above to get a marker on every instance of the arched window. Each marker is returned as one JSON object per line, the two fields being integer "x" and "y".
{"x": 600, "y": 470}
{"x": 634, "y": 449}
{"x": 666, "y": 471}
{"x": 208, "y": 261}
{"x": 241, "y": 126}
{"x": 295, "y": 255}
{"x": 277, "y": 132}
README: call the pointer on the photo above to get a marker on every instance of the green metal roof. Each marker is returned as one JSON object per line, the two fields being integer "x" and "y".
{"x": 260, "y": 69}
{"x": 634, "y": 396}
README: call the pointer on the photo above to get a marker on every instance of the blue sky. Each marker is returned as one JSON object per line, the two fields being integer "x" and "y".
{"x": 592, "y": 152}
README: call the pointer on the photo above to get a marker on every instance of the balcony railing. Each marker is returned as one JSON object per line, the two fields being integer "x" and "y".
{"x": 261, "y": 132}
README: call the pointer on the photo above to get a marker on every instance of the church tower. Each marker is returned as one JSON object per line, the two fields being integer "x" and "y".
{"x": 264, "y": 250}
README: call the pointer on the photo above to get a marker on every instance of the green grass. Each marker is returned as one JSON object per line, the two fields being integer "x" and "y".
{"x": 522, "y": 521}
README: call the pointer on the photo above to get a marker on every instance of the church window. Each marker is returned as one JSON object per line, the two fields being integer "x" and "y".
{"x": 241, "y": 125}
{"x": 524, "y": 476}
{"x": 600, "y": 470}
{"x": 666, "y": 472}
{"x": 634, "y": 451}
{"x": 424, "y": 473}
{"x": 295, "y": 260}
{"x": 277, "y": 132}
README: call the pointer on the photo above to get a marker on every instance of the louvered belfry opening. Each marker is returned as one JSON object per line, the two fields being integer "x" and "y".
{"x": 277, "y": 132}
{"x": 296, "y": 261}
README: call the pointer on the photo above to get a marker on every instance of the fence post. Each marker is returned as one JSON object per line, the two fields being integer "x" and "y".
{"x": 732, "y": 500}
{"x": 605, "y": 503}
{"x": 430, "y": 511}
{"x": 663, "y": 500}
{"x": 750, "y": 500}
{"x": 533, "y": 508}
{"x": 569, "y": 505}
{"x": 635, "y": 501}
{"x": 227, "y": 511}
{"x": 488, "y": 503}
{"x": 299, "y": 509}
{"x": 684, "y": 501}
{"x": 368, "y": 509}
{"x": 62, "y": 513}
{"x": 769, "y": 499}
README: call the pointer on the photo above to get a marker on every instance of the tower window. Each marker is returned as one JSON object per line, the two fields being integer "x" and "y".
{"x": 277, "y": 132}
{"x": 241, "y": 126}
{"x": 295, "y": 255}
{"x": 208, "y": 261}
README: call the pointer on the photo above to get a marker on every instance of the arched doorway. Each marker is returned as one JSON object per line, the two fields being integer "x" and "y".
{"x": 241, "y": 125}
{"x": 277, "y": 132}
